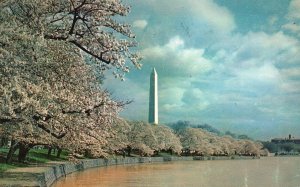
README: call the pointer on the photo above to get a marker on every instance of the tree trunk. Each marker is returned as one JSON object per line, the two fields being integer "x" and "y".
{"x": 49, "y": 151}
{"x": 14, "y": 146}
{"x": 2, "y": 142}
{"x": 129, "y": 150}
{"x": 59, "y": 150}
{"x": 123, "y": 153}
{"x": 23, "y": 151}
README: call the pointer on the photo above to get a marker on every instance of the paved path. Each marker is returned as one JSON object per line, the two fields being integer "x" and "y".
{"x": 24, "y": 176}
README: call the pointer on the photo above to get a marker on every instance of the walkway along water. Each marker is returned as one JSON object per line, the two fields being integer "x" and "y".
{"x": 47, "y": 175}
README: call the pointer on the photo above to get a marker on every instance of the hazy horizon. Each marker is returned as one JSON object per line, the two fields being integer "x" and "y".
{"x": 234, "y": 65}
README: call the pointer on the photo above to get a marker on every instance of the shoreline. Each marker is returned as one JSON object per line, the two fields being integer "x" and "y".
{"x": 46, "y": 175}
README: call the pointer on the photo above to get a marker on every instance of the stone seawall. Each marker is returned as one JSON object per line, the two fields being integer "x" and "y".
{"x": 46, "y": 176}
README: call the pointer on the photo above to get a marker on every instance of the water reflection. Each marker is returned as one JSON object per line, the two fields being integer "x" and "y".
{"x": 277, "y": 172}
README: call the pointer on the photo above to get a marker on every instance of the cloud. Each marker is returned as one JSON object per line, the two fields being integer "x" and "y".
{"x": 294, "y": 8}
{"x": 195, "y": 100}
{"x": 258, "y": 63}
{"x": 263, "y": 74}
{"x": 215, "y": 15}
{"x": 170, "y": 98}
{"x": 292, "y": 27}
{"x": 207, "y": 13}
{"x": 141, "y": 24}
{"x": 176, "y": 59}
{"x": 258, "y": 48}
{"x": 291, "y": 87}
{"x": 293, "y": 18}
{"x": 291, "y": 73}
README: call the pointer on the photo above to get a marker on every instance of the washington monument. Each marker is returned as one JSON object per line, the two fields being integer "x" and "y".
{"x": 153, "y": 98}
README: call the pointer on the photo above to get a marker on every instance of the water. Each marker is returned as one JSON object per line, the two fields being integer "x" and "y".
{"x": 264, "y": 172}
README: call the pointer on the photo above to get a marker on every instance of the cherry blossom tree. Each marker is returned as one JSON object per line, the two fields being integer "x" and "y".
{"x": 52, "y": 53}
{"x": 90, "y": 25}
{"x": 194, "y": 141}
{"x": 142, "y": 138}
{"x": 118, "y": 141}
{"x": 166, "y": 139}
{"x": 199, "y": 142}
{"x": 248, "y": 147}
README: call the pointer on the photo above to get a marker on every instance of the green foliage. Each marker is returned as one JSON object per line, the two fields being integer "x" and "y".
{"x": 288, "y": 147}
{"x": 181, "y": 125}
{"x": 228, "y": 133}
{"x": 208, "y": 128}
{"x": 36, "y": 156}
{"x": 4, "y": 166}
{"x": 40, "y": 156}
{"x": 272, "y": 147}
{"x": 244, "y": 137}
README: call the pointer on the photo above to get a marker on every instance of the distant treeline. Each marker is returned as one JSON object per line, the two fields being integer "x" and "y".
{"x": 182, "y": 138}
{"x": 282, "y": 148}
{"x": 177, "y": 126}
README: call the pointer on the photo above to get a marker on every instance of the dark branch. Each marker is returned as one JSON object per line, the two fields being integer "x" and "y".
{"x": 55, "y": 37}
{"x": 10, "y": 120}
{"x": 90, "y": 53}
{"x": 81, "y": 5}
{"x": 79, "y": 46}
{"x": 73, "y": 24}
{"x": 87, "y": 111}
{"x": 43, "y": 118}
{"x": 59, "y": 136}
{"x": 41, "y": 126}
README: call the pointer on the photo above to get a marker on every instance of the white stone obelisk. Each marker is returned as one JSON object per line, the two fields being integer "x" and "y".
{"x": 153, "y": 98}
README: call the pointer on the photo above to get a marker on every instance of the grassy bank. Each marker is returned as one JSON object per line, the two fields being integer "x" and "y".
{"x": 35, "y": 157}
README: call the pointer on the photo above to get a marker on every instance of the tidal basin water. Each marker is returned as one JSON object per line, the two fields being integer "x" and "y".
{"x": 264, "y": 172}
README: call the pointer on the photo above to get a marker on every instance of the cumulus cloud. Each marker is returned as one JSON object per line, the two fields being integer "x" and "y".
{"x": 141, "y": 24}
{"x": 267, "y": 73}
{"x": 178, "y": 60}
{"x": 258, "y": 63}
{"x": 257, "y": 48}
{"x": 170, "y": 98}
{"x": 216, "y": 15}
{"x": 211, "y": 14}
{"x": 195, "y": 100}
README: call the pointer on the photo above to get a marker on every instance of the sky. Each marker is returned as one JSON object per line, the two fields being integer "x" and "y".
{"x": 232, "y": 64}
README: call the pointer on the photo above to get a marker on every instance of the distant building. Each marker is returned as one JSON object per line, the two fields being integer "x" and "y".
{"x": 290, "y": 139}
